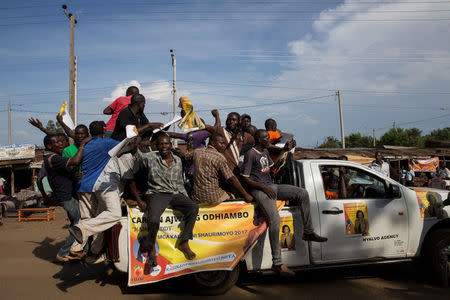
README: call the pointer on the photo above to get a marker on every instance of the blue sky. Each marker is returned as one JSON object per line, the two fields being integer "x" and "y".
{"x": 270, "y": 59}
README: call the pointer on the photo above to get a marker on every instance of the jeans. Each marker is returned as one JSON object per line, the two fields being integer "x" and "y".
{"x": 269, "y": 207}
{"x": 73, "y": 213}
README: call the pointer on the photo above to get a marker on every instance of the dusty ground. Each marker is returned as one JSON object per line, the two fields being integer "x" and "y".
{"x": 28, "y": 271}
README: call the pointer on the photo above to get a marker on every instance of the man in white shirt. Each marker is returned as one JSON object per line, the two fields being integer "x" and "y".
{"x": 380, "y": 165}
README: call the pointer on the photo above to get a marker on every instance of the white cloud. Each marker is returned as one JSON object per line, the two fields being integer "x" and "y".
{"x": 345, "y": 54}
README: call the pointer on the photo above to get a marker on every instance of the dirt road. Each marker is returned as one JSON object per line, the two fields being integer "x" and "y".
{"x": 28, "y": 271}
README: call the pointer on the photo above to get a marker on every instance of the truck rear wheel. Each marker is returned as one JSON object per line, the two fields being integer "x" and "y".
{"x": 215, "y": 282}
{"x": 437, "y": 255}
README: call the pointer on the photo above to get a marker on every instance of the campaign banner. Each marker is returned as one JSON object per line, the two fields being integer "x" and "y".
{"x": 424, "y": 165}
{"x": 356, "y": 219}
{"x": 222, "y": 236}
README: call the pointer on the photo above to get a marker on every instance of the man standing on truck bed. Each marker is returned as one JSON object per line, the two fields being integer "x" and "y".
{"x": 256, "y": 175}
{"x": 116, "y": 107}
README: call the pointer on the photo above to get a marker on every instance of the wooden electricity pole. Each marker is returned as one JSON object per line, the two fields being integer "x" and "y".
{"x": 174, "y": 92}
{"x": 73, "y": 21}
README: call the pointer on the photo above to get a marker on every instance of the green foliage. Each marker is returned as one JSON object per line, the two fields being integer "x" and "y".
{"x": 356, "y": 140}
{"x": 411, "y": 137}
{"x": 438, "y": 134}
{"x": 402, "y": 137}
{"x": 54, "y": 127}
{"x": 330, "y": 142}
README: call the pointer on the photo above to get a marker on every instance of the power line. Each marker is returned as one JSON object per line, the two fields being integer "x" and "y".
{"x": 417, "y": 121}
{"x": 109, "y": 3}
{"x": 83, "y": 89}
{"x": 317, "y": 89}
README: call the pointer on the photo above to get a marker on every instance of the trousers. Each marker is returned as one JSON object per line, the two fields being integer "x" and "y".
{"x": 269, "y": 208}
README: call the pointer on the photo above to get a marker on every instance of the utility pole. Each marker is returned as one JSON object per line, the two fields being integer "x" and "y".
{"x": 75, "y": 92}
{"x": 341, "y": 118}
{"x": 174, "y": 91}
{"x": 73, "y": 21}
{"x": 393, "y": 125}
{"x": 9, "y": 123}
{"x": 373, "y": 138}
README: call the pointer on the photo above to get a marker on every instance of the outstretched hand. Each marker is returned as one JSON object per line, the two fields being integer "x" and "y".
{"x": 215, "y": 113}
{"x": 59, "y": 118}
{"x": 36, "y": 123}
{"x": 86, "y": 140}
{"x": 289, "y": 145}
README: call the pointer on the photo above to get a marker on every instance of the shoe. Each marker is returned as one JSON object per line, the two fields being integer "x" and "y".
{"x": 188, "y": 253}
{"x": 62, "y": 258}
{"x": 283, "y": 270}
{"x": 77, "y": 254}
{"x": 314, "y": 237}
{"x": 66, "y": 258}
{"x": 76, "y": 233}
{"x": 95, "y": 258}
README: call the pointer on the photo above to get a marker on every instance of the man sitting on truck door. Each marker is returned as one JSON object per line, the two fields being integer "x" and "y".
{"x": 166, "y": 187}
{"x": 256, "y": 174}
{"x": 210, "y": 167}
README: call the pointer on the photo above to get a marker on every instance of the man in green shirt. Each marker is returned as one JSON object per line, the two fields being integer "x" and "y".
{"x": 81, "y": 132}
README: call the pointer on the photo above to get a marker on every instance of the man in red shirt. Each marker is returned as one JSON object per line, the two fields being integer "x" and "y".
{"x": 116, "y": 107}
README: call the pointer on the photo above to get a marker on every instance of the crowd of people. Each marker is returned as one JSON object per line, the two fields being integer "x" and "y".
{"x": 238, "y": 162}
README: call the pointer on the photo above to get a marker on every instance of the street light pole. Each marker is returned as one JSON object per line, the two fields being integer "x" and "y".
{"x": 341, "y": 118}
{"x": 9, "y": 123}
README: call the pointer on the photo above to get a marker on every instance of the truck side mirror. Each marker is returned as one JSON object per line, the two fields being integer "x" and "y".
{"x": 393, "y": 191}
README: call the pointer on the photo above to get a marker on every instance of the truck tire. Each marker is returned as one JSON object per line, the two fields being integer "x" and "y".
{"x": 215, "y": 282}
{"x": 437, "y": 256}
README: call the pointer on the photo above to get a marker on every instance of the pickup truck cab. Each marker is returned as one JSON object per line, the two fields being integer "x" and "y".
{"x": 378, "y": 221}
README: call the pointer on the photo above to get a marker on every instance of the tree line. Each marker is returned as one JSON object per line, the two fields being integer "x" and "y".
{"x": 411, "y": 137}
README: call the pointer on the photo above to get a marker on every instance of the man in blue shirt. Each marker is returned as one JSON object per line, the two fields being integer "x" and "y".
{"x": 100, "y": 188}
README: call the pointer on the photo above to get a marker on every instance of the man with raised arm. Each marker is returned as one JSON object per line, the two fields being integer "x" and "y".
{"x": 235, "y": 139}
{"x": 210, "y": 168}
{"x": 59, "y": 173}
{"x": 256, "y": 175}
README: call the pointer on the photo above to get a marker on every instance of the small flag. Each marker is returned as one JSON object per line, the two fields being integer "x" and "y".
{"x": 66, "y": 117}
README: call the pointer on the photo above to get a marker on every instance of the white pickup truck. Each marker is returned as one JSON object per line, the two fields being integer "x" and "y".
{"x": 379, "y": 221}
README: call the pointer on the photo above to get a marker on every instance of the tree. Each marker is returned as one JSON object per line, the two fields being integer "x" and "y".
{"x": 330, "y": 142}
{"x": 438, "y": 134}
{"x": 356, "y": 140}
{"x": 402, "y": 137}
{"x": 54, "y": 127}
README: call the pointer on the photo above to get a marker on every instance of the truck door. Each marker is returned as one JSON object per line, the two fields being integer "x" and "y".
{"x": 359, "y": 214}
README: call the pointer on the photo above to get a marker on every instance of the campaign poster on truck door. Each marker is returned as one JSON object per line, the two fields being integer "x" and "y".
{"x": 356, "y": 219}
{"x": 287, "y": 236}
{"x": 222, "y": 235}
{"x": 430, "y": 204}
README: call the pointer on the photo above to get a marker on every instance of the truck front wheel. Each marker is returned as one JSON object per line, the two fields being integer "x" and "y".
{"x": 215, "y": 282}
{"x": 437, "y": 255}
